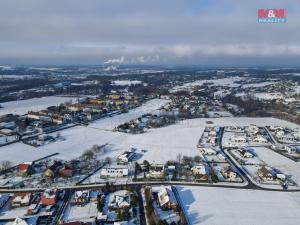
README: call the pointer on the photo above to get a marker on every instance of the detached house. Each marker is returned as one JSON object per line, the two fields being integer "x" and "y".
{"x": 166, "y": 199}
{"x": 156, "y": 171}
{"x": 126, "y": 156}
{"x": 21, "y": 199}
{"x": 265, "y": 174}
{"x": 82, "y": 197}
{"x": 115, "y": 171}
{"x": 208, "y": 151}
{"x": 49, "y": 197}
{"x": 200, "y": 171}
{"x": 244, "y": 153}
{"x": 229, "y": 173}
{"x": 25, "y": 169}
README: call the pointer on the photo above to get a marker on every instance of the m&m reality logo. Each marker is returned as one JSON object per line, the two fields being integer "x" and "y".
{"x": 272, "y": 16}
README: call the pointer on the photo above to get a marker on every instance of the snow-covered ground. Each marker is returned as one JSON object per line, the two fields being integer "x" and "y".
{"x": 223, "y": 206}
{"x": 161, "y": 144}
{"x": 285, "y": 165}
{"x": 268, "y": 96}
{"x": 110, "y": 123}
{"x": 260, "y": 84}
{"x": 126, "y": 82}
{"x": 34, "y": 104}
{"x": 225, "y": 82}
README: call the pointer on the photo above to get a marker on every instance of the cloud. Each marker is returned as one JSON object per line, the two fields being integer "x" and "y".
{"x": 145, "y": 32}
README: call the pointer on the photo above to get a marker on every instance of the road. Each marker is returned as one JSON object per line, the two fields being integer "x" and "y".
{"x": 63, "y": 207}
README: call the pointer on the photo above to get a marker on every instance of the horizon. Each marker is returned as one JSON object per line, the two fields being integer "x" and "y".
{"x": 183, "y": 33}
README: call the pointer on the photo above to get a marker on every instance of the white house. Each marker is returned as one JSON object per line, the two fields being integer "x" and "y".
{"x": 114, "y": 171}
{"x": 246, "y": 154}
{"x": 166, "y": 198}
{"x": 126, "y": 156}
{"x": 252, "y": 129}
{"x": 259, "y": 139}
{"x": 238, "y": 139}
{"x": 199, "y": 169}
{"x": 208, "y": 151}
{"x": 156, "y": 171}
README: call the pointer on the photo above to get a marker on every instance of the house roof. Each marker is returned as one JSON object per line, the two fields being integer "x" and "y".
{"x": 19, "y": 221}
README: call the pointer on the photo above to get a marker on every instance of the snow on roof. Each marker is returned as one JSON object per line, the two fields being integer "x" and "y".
{"x": 19, "y": 221}
{"x": 50, "y": 193}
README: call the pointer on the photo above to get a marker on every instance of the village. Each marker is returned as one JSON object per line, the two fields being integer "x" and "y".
{"x": 125, "y": 157}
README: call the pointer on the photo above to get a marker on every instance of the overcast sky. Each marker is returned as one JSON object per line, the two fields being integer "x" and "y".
{"x": 183, "y": 32}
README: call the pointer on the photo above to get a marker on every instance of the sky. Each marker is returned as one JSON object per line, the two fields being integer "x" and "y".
{"x": 160, "y": 32}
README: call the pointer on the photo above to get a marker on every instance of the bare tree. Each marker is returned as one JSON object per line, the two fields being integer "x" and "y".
{"x": 4, "y": 165}
{"x": 108, "y": 160}
{"x": 179, "y": 157}
{"x": 88, "y": 155}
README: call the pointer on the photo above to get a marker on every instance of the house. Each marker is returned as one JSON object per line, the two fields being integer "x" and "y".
{"x": 120, "y": 200}
{"x": 66, "y": 171}
{"x": 166, "y": 199}
{"x": 82, "y": 197}
{"x": 238, "y": 139}
{"x": 156, "y": 171}
{"x": 221, "y": 156}
{"x": 252, "y": 129}
{"x": 53, "y": 169}
{"x": 19, "y": 221}
{"x": 25, "y": 168}
{"x": 244, "y": 153}
{"x": 33, "y": 209}
{"x": 126, "y": 156}
{"x": 281, "y": 176}
{"x": 21, "y": 199}
{"x": 259, "y": 139}
{"x": 228, "y": 173}
{"x": 265, "y": 174}
{"x": 208, "y": 151}
{"x": 114, "y": 171}
{"x": 200, "y": 171}
{"x": 49, "y": 197}
{"x": 3, "y": 200}
{"x": 95, "y": 195}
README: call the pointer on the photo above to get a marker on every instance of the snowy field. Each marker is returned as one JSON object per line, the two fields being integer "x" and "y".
{"x": 126, "y": 82}
{"x": 225, "y": 82}
{"x": 34, "y": 104}
{"x": 161, "y": 144}
{"x": 110, "y": 123}
{"x": 260, "y": 84}
{"x": 221, "y": 206}
{"x": 268, "y": 96}
{"x": 285, "y": 165}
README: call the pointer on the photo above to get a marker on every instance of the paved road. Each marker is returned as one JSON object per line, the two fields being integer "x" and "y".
{"x": 61, "y": 210}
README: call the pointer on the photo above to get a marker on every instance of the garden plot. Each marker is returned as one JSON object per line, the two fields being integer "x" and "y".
{"x": 35, "y": 104}
{"x": 217, "y": 156}
{"x": 263, "y": 171}
{"x": 288, "y": 167}
{"x": 226, "y": 172}
{"x": 254, "y": 160}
